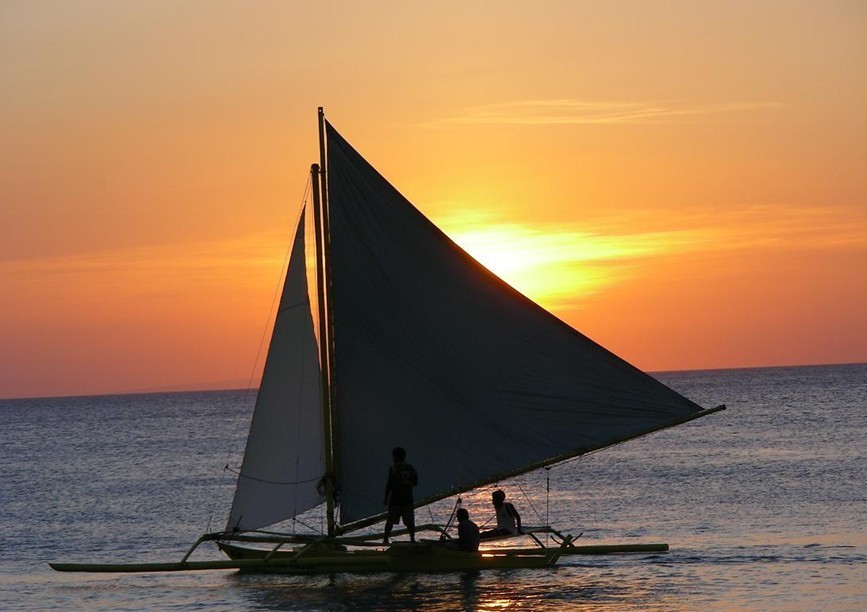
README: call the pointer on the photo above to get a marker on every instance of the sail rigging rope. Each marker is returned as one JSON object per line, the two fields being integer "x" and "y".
{"x": 547, "y": 495}
{"x": 275, "y": 298}
{"x": 274, "y": 304}
{"x": 295, "y": 519}
{"x": 527, "y": 497}
{"x": 231, "y": 449}
{"x": 274, "y": 482}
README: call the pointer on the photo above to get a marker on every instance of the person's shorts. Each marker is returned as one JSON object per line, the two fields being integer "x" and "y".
{"x": 396, "y": 514}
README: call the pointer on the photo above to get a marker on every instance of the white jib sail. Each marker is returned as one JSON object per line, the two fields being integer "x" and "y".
{"x": 284, "y": 459}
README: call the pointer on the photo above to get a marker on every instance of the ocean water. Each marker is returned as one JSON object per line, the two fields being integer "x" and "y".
{"x": 763, "y": 505}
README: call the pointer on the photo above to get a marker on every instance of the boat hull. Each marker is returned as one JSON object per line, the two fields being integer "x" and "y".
{"x": 397, "y": 558}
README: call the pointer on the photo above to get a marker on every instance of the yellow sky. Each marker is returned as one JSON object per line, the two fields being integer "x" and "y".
{"x": 684, "y": 182}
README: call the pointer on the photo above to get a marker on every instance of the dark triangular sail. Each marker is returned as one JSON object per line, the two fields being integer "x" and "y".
{"x": 436, "y": 354}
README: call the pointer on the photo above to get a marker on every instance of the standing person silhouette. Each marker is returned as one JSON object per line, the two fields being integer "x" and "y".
{"x": 402, "y": 477}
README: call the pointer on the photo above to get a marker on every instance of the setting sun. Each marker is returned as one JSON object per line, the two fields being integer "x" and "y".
{"x": 552, "y": 267}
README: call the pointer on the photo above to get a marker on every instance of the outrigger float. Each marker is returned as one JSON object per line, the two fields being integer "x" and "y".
{"x": 389, "y": 334}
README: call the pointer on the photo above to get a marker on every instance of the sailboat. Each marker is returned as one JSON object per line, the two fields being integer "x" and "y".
{"x": 389, "y": 334}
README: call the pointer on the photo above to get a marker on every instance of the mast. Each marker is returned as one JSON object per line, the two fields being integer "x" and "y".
{"x": 323, "y": 274}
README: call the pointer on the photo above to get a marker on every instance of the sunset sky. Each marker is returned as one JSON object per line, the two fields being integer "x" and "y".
{"x": 684, "y": 182}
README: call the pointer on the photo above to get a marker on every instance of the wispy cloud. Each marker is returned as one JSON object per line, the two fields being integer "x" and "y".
{"x": 171, "y": 263}
{"x": 584, "y": 112}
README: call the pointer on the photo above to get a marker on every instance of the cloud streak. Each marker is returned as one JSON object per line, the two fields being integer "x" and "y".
{"x": 584, "y": 112}
{"x": 169, "y": 264}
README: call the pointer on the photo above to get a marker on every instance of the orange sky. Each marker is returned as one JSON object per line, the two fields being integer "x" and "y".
{"x": 684, "y": 182}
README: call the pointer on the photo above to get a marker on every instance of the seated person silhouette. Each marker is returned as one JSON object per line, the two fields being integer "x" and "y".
{"x": 468, "y": 533}
{"x": 508, "y": 519}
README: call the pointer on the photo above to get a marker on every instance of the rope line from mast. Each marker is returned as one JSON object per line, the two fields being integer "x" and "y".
{"x": 245, "y": 401}
{"x": 529, "y": 501}
{"x": 274, "y": 482}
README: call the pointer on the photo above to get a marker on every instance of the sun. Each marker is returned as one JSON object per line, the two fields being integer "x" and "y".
{"x": 554, "y": 269}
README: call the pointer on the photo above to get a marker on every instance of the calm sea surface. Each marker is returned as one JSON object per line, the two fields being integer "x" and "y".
{"x": 764, "y": 507}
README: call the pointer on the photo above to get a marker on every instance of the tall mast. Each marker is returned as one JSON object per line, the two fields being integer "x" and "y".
{"x": 323, "y": 274}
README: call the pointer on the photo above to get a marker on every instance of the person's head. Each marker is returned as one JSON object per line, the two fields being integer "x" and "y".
{"x": 462, "y": 515}
{"x": 398, "y": 454}
{"x": 498, "y": 497}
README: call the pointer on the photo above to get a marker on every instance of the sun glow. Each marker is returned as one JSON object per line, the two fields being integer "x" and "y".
{"x": 562, "y": 266}
{"x": 555, "y": 267}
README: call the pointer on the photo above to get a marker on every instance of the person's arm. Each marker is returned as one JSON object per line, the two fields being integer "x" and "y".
{"x": 414, "y": 477}
{"x": 517, "y": 517}
{"x": 388, "y": 485}
{"x": 462, "y": 537}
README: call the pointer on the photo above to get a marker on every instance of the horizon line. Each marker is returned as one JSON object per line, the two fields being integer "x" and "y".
{"x": 207, "y": 388}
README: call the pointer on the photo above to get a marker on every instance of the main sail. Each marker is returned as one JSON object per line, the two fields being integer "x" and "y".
{"x": 436, "y": 354}
{"x": 284, "y": 459}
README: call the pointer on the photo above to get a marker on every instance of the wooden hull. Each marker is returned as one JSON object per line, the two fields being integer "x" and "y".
{"x": 398, "y": 558}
